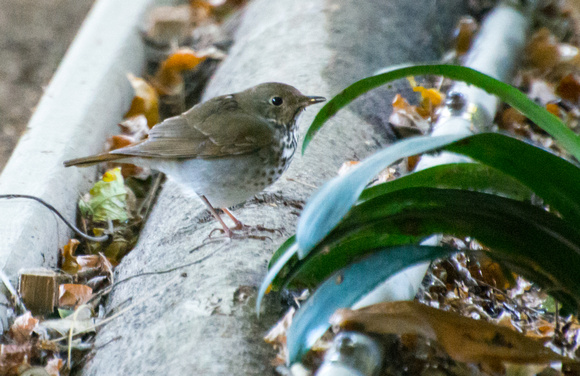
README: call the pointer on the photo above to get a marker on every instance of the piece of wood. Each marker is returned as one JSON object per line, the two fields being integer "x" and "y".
{"x": 38, "y": 289}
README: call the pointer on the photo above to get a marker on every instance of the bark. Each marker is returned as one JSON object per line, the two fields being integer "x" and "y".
{"x": 200, "y": 319}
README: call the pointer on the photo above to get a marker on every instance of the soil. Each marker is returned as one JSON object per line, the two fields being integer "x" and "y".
{"x": 34, "y": 36}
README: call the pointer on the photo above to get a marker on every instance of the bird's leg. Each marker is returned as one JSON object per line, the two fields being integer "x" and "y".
{"x": 215, "y": 214}
{"x": 239, "y": 225}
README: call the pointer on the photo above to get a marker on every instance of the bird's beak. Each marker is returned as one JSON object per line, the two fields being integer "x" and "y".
{"x": 314, "y": 100}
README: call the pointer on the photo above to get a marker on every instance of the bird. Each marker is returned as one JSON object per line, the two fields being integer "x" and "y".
{"x": 226, "y": 149}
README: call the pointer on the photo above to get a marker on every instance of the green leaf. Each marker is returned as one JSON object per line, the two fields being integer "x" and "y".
{"x": 348, "y": 286}
{"x": 545, "y": 120}
{"x": 334, "y": 199}
{"x": 554, "y": 179}
{"x": 513, "y": 230}
{"x": 469, "y": 176}
{"x": 290, "y": 250}
{"x": 107, "y": 199}
{"x": 526, "y": 239}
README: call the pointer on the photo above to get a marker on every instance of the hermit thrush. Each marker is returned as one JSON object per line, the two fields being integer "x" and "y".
{"x": 226, "y": 149}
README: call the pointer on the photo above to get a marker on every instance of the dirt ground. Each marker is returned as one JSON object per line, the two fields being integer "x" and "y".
{"x": 34, "y": 36}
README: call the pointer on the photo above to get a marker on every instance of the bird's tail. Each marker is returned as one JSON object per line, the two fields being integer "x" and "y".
{"x": 93, "y": 159}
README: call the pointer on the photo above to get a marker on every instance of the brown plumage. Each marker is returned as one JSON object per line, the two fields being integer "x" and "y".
{"x": 226, "y": 149}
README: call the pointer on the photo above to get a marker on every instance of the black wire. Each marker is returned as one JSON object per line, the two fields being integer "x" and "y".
{"x": 101, "y": 238}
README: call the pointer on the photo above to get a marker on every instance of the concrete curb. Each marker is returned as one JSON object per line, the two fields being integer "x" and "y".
{"x": 84, "y": 101}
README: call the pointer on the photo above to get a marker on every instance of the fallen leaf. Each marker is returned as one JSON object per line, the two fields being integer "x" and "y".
{"x": 69, "y": 261}
{"x": 277, "y": 337}
{"x": 464, "y": 33}
{"x": 73, "y": 295}
{"x": 168, "y": 79}
{"x": 145, "y": 102}
{"x": 569, "y": 88}
{"x": 53, "y": 366}
{"x": 22, "y": 327}
{"x": 14, "y": 357}
{"x": 544, "y": 51}
{"x": 464, "y": 339}
{"x": 430, "y": 100}
{"x": 107, "y": 199}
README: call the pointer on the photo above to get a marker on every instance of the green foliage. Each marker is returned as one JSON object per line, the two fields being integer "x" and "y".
{"x": 349, "y": 239}
{"x": 107, "y": 199}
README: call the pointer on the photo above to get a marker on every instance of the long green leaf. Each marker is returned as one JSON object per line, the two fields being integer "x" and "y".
{"x": 554, "y": 179}
{"x": 550, "y": 123}
{"x": 346, "y": 288}
{"x": 334, "y": 199}
{"x": 469, "y": 176}
{"x": 527, "y": 239}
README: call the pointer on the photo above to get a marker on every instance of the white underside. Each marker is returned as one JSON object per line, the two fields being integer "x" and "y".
{"x": 220, "y": 180}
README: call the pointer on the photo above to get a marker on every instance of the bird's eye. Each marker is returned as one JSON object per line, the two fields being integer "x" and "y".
{"x": 276, "y": 101}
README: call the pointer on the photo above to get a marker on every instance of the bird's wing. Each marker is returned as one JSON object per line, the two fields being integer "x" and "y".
{"x": 205, "y": 132}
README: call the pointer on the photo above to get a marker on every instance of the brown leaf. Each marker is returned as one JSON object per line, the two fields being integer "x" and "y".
{"x": 69, "y": 261}
{"x": 168, "y": 79}
{"x": 569, "y": 88}
{"x": 464, "y": 339}
{"x": 22, "y": 327}
{"x": 14, "y": 357}
{"x": 73, "y": 295}
{"x": 53, "y": 366}
{"x": 545, "y": 51}
{"x": 464, "y": 33}
{"x": 145, "y": 102}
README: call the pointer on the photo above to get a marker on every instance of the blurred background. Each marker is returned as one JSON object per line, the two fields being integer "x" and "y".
{"x": 34, "y": 36}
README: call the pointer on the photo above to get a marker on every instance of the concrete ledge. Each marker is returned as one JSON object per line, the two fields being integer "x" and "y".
{"x": 81, "y": 106}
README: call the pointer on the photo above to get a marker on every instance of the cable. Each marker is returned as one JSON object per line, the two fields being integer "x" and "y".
{"x": 101, "y": 238}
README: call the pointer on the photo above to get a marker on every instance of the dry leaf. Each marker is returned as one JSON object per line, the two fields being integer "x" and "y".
{"x": 22, "y": 327}
{"x": 168, "y": 79}
{"x": 430, "y": 100}
{"x": 545, "y": 51}
{"x": 464, "y": 339}
{"x": 69, "y": 261}
{"x": 569, "y": 88}
{"x": 406, "y": 120}
{"x": 145, "y": 102}
{"x": 14, "y": 357}
{"x": 73, "y": 295}
{"x": 464, "y": 33}
{"x": 53, "y": 366}
{"x": 277, "y": 337}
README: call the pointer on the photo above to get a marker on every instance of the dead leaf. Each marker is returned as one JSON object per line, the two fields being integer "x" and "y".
{"x": 22, "y": 327}
{"x": 14, "y": 358}
{"x": 168, "y": 79}
{"x": 464, "y": 339}
{"x": 53, "y": 366}
{"x": 69, "y": 261}
{"x": 545, "y": 51}
{"x": 73, "y": 295}
{"x": 569, "y": 88}
{"x": 277, "y": 337}
{"x": 464, "y": 33}
{"x": 406, "y": 120}
{"x": 145, "y": 102}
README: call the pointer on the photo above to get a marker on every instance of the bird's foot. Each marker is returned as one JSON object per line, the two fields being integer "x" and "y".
{"x": 241, "y": 231}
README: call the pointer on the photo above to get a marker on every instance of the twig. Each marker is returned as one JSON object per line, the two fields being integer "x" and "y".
{"x": 12, "y": 291}
{"x": 101, "y": 238}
